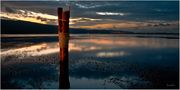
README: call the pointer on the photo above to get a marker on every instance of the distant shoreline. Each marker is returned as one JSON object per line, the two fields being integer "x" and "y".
{"x": 139, "y": 35}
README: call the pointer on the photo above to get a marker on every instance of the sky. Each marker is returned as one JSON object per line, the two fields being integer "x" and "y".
{"x": 96, "y": 14}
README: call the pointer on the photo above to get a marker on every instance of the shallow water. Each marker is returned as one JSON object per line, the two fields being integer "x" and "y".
{"x": 95, "y": 61}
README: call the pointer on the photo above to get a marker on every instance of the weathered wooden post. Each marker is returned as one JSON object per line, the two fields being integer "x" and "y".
{"x": 63, "y": 34}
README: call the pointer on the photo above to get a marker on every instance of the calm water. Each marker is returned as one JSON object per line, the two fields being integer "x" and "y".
{"x": 95, "y": 61}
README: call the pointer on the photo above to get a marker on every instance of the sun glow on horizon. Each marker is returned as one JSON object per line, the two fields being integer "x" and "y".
{"x": 86, "y": 22}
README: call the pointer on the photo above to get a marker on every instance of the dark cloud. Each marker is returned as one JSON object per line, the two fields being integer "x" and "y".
{"x": 36, "y": 6}
{"x": 9, "y": 10}
{"x": 147, "y": 10}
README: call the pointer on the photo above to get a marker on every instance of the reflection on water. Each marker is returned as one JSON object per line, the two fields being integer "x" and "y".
{"x": 110, "y": 54}
{"x": 64, "y": 63}
{"x": 94, "y": 62}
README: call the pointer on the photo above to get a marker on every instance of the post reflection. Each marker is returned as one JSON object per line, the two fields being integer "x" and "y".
{"x": 64, "y": 68}
{"x": 63, "y": 33}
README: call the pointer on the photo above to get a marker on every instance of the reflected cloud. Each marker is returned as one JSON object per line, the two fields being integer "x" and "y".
{"x": 91, "y": 45}
{"x": 28, "y": 49}
{"x": 132, "y": 42}
{"x": 111, "y": 54}
{"x": 26, "y": 77}
{"x": 34, "y": 50}
{"x": 86, "y": 65}
{"x": 88, "y": 83}
{"x": 44, "y": 49}
{"x": 78, "y": 47}
{"x": 110, "y": 82}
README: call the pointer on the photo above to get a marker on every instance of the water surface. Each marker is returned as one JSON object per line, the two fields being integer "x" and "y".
{"x": 95, "y": 61}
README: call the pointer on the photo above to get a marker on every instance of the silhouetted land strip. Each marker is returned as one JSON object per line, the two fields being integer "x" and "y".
{"x": 23, "y": 27}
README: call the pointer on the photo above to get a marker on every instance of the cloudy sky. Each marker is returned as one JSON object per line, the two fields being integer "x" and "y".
{"x": 96, "y": 14}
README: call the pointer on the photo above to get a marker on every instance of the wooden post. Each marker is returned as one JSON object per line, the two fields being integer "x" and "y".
{"x": 63, "y": 34}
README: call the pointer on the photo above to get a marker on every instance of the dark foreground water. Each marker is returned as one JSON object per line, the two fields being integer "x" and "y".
{"x": 95, "y": 61}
